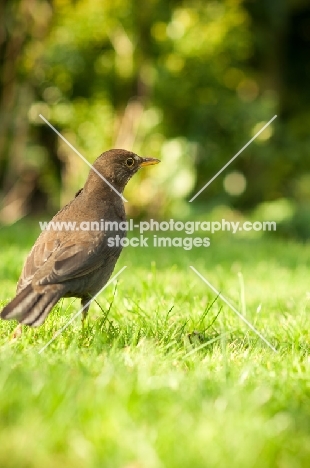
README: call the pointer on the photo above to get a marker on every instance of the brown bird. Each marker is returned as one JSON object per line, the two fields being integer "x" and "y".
{"x": 77, "y": 263}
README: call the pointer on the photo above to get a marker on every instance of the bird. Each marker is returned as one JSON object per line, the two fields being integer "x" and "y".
{"x": 79, "y": 262}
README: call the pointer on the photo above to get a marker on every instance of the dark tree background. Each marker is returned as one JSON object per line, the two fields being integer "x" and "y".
{"x": 189, "y": 82}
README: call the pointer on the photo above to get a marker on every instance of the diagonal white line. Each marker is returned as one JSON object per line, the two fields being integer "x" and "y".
{"x": 82, "y": 157}
{"x": 234, "y": 309}
{"x": 233, "y": 158}
{"x": 59, "y": 332}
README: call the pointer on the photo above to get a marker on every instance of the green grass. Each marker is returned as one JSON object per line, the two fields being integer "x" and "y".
{"x": 164, "y": 374}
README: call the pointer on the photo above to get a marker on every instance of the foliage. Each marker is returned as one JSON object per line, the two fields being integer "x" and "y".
{"x": 189, "y": 82}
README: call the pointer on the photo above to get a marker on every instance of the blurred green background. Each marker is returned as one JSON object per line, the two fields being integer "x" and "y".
{"x": 189, "y": 82}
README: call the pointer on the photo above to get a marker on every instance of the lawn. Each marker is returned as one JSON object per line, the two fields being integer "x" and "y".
{"x": 163, "y": 373}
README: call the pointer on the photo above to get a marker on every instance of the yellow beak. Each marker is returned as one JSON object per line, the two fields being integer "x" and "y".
{"x": 148, "y": 162}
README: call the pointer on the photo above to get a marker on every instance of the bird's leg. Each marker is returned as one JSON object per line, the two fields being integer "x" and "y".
{"x": 84, "y": 301}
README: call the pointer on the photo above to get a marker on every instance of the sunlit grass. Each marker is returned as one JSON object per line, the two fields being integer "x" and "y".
{"x": 163, "y": 373}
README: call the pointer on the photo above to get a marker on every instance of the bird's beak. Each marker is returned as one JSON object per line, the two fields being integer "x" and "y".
{"x": 148, "y": 162}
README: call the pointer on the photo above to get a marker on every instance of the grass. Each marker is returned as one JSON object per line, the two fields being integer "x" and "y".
{"x": 164, "y": 374}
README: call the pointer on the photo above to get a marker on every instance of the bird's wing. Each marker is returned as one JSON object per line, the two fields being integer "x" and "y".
{"x": 37, "y": 257}
{"x": 75, "y": 258}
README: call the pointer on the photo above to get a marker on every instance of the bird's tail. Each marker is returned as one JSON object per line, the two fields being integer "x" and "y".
{"x": 30, "y": 307}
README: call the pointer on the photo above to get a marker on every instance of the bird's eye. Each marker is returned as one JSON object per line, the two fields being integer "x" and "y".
{"x": 130, "y": 162}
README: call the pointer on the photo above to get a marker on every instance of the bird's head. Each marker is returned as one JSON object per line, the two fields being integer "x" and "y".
{"x": 117, "y": 166}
